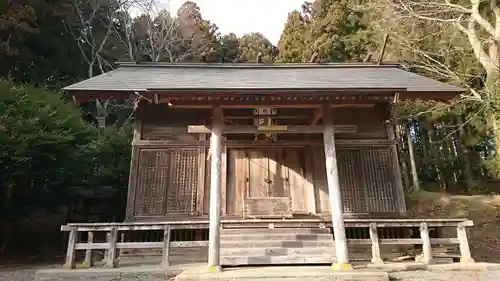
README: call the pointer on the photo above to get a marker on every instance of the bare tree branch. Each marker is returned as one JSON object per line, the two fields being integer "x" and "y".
{"x": 475, "y": 43}
{"x": 464, "y": 17}
{"x": 480, "y": 19}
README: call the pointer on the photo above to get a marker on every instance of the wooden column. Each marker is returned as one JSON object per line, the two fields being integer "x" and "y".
{"x": 332, "y": 177}
{"x": 215, "y": 190}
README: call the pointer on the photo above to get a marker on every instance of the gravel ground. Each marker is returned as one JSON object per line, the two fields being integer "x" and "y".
{"x": 28, "y": 274}
{"x": 7, "y": 274}
{"x": 21, "y": 273}
{"x": 445, "y": 276}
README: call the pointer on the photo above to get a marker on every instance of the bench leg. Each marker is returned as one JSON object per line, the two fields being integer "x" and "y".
{"x": 465, "y": 255}
{"x": 88, "y": 253}
{"x": 376, "y": 259}
{"x": 426, "y": 243}
{"x": 166, "y": 247}
{"x": 70, "y": 254}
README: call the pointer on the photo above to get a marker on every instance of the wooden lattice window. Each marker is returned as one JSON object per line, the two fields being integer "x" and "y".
{"x": 167, "y": 181}
{"x": 351, "y": 181}
{"x": 379, "y": 179}
{"x": 181, "y": 191}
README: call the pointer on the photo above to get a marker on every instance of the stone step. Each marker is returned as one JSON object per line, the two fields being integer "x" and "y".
{"x": 281, "y": 273}
{"x": 264, "y": 246}
{"x": 277, "y": 236}
{"x": 266, "y": 260}
{"x": 225, "y": 252}
{"x": 275, "y": 244}
{"x": 275, "y": 230}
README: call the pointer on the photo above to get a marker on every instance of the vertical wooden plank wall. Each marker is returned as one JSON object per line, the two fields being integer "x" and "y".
{"x": 399, "y": 192}
{"x": 297, "y": 181}
{"x": 201, "y": 176}
{"x": 223, "y": 184}
{"x": 233, "y": 168}
{"x": 134, "y": 163}
{"x": 309, "y": 182}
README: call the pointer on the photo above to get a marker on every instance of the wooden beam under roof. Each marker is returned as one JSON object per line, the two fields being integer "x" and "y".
{"x": 286, "y": 105}
{"x": 293, "y": 129}
{"x": 273, "y": 116}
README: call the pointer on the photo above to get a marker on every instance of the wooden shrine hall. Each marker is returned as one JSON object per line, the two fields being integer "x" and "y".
{"x": 244, "y": 150}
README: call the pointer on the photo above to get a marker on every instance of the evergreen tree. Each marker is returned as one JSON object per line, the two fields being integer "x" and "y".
{"x": 292, "y": 42}
{"x": 250, "y": 45}
{"x": 35, "y": 46}
{"x": 338, "y": 32}
{"x": 229, "y": 45}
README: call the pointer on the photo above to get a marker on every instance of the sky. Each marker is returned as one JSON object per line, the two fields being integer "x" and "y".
{"x": 243, "y": 16}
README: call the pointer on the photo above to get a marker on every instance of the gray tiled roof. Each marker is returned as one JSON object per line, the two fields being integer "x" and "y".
{"x": 140, "y": 77}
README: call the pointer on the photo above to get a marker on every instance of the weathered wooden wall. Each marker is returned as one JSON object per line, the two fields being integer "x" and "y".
{"x": 170, "y": 176}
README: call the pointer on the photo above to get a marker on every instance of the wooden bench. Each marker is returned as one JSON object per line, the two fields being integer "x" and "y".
{"x": 373, "y": 225}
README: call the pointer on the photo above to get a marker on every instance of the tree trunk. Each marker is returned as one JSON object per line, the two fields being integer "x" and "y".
{"x": 413, "y": 165}
{"x": 493, "y": 87}
{"x": 91, "y": 69}
{"x": 435, "y": 155}
{"x": 464, "y": 156}
{"x": 401, "y": 145}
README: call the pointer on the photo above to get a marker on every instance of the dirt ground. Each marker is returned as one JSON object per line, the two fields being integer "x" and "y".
{"x": 483, "y": 210}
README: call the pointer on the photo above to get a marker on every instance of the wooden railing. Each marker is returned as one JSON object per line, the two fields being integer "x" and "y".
{"x": 112, "y": 230}
{"x": 112, "y": 244}
{"x": 424, "y": 240}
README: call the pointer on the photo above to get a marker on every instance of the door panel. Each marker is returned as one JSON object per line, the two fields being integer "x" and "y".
{"x": 296, "y": 182}
{"x": 278, "y": 173}
{"x": 320, "y": 183}
{"x": 271, "y": 180}
{"x": 258, "y": 174}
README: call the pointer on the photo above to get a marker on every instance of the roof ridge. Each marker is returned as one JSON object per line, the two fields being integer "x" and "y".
{"x": 257, "y": 65}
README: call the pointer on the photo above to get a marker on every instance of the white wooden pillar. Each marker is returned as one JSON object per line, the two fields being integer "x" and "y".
{"x": 426, "y": 243}
{"x": 332, "y": 178}
{"x": 376, "y": 258}
{"x": 215, "y": 190}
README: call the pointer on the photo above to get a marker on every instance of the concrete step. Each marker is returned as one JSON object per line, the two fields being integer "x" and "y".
{"x": 277, "y": 236}
{"x": 266, "y": 260}
{"x": 275, "y": 244}
{"x": 276, "y": 251}
{"x": 275, "y": 230}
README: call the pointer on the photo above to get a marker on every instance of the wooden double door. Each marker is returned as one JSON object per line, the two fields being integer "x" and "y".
{"x": 283, "y": 182}
{"x": 265, "y": 182}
